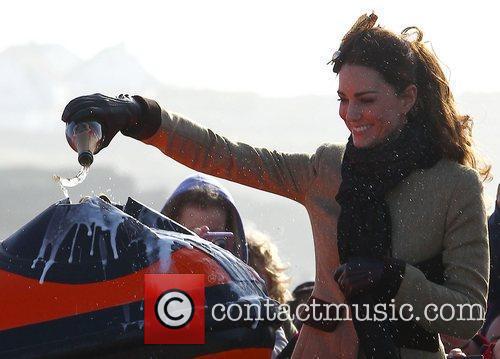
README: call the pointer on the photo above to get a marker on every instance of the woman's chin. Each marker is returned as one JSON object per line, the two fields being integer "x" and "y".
{"x": 362, "y": 142}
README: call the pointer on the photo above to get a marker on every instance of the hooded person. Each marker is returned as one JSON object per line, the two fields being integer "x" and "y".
{"x": 201, "y": 201}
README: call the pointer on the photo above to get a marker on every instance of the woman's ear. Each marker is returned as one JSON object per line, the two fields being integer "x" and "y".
{"x": 408, "y": 98}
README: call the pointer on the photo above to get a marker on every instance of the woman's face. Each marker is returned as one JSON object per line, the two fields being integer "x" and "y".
{"x": 370, "y": 107}
{"x": 193, "y": 216}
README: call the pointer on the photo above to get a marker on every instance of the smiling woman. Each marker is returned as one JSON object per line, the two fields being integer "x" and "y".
{"x": 396, "y": 102}
{"x": 397, "y": 213}
{"x": 370, "y": 107}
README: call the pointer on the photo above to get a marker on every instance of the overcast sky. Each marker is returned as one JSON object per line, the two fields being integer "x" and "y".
{"x": 276, "y": 48}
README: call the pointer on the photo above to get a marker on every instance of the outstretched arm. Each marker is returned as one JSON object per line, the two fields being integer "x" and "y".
{"x": 203, "y": 150}
{"x": 199, "y": 148}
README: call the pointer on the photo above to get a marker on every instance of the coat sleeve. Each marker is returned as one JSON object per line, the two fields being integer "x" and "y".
{"x": 458, "y": 306}
{"x": 201, "y": 149}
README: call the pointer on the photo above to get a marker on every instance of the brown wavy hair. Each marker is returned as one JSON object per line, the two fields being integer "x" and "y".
{"x": 403, "y": 60}
{"x": 263, "y": 257}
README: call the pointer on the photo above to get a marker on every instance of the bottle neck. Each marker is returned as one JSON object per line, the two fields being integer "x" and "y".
{"x": 86, "y": 139}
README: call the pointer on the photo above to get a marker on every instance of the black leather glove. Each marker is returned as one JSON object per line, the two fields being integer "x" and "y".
{"x": 134, "y": 116}
{"x": 381, "y": 278}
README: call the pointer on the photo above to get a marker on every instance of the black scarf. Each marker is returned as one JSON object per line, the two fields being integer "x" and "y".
{"x": 364, "y": 224}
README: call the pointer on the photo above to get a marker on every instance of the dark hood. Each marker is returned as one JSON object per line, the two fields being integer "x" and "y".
{"x": 202, "y": 181}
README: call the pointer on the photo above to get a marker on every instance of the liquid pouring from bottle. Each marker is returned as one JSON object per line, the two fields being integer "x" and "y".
{"x": 66, "y": 183}
{"x": 86, "y": 139}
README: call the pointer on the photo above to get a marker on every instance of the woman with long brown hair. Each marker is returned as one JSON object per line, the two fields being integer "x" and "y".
{"x": 397, "y": 213}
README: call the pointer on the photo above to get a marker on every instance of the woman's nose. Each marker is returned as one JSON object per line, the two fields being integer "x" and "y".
{"x": 353, "y": 113}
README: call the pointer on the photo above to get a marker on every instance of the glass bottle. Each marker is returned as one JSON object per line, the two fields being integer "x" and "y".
{"x": 86, "y": 139}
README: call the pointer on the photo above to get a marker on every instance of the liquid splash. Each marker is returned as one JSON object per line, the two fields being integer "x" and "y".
{"x": 66, "y": 183}
{"x": 92, "y": 214}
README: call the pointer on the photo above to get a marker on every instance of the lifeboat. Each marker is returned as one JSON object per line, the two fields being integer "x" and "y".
{"x": 72, "y": 284}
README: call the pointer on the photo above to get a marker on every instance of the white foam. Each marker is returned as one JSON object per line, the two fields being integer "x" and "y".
{"x": 70, "y": 259}
{"x": 96, "y": 214}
